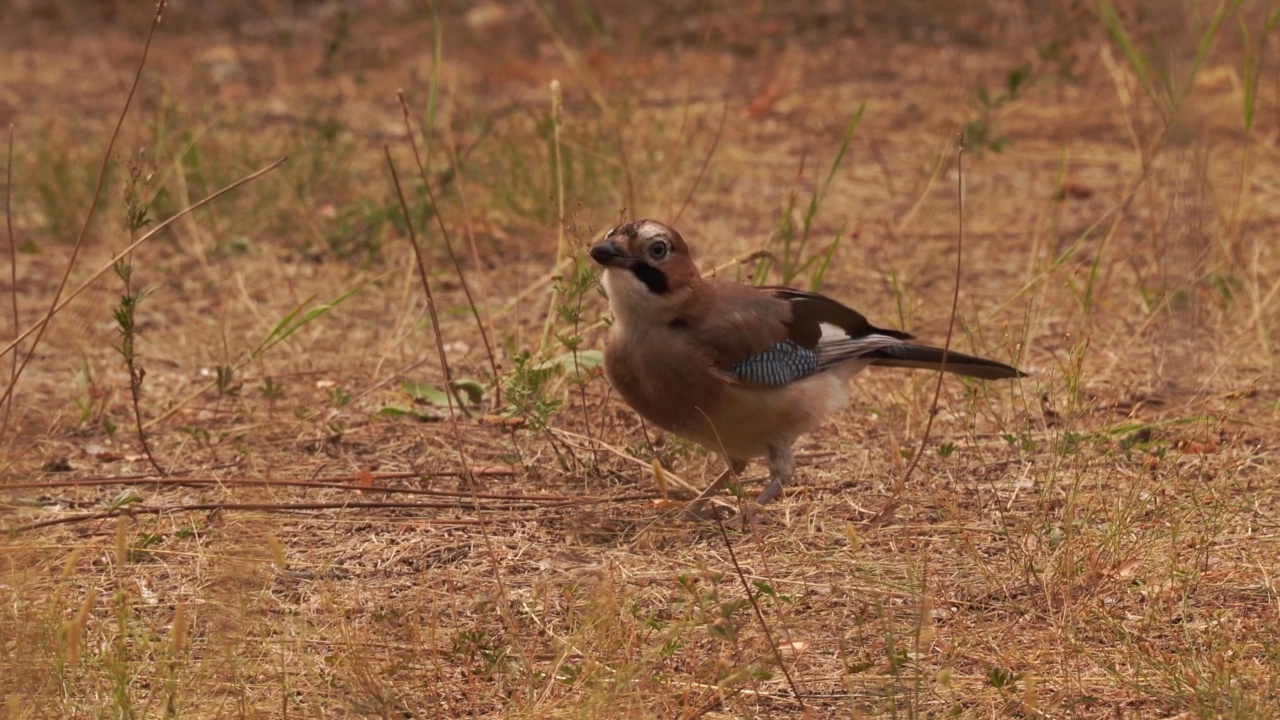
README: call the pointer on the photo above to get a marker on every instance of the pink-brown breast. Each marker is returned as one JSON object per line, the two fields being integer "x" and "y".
{"x": 664, "y": 377}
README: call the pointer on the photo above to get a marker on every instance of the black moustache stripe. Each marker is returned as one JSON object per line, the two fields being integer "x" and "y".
{"x": 652, "y": 278}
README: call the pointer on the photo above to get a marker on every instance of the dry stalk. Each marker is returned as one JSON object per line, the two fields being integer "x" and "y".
{"x": 569, "y": 438}
{"x": 469, "y": 231}
{"x": 88, "y": 217}
{"x": 40, "y": 324}
{"x": 886, "y": 513}
{"x": 350, "y": 484}
{"x": 764, "y": 625}
{"x": 481, "y": 521}
{"x": 266, "y": 507}
{"x": 448, "y": 244}
{"x": 706, "y": 162}
{"x": 557, "y": 112}
{"x": 13, "y": 277}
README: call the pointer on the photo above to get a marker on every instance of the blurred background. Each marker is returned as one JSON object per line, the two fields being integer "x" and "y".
{"x": 1094, "y": 540}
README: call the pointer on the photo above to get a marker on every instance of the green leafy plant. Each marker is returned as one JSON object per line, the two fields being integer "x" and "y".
{"x": 340, "y": 396}
{"x": 980, "y": 133}
{"x": 525, "y": 390}
{"x": 136, "y": 217}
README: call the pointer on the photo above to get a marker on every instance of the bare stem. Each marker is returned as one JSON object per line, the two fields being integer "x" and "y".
{"x": 887, "y": 511}
{"x": 556, "y": 112}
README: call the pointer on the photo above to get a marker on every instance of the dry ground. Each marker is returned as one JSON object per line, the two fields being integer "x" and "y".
{"x": 1098, "y": 540}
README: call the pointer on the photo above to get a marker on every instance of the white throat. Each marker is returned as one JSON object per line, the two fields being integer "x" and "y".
{"x": 628, "y": 297}
{"x": 634, "y": 305}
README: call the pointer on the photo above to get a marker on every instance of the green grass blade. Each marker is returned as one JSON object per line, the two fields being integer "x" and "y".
{"x": 816, "y": 281}
{"x": 1137, "y": 60}
{"x": 295, "y": 320}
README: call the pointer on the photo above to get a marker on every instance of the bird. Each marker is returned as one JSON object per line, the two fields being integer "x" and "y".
{"x": 742, "y": 370}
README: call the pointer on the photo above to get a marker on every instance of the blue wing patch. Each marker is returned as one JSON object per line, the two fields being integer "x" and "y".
{"x": 784, "y": 362}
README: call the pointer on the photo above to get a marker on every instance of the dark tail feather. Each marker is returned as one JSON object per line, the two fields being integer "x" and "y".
{"x": 907, "y": 355}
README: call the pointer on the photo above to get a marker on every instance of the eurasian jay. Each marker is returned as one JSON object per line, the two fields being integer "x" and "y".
{"x": 743, "y": 371}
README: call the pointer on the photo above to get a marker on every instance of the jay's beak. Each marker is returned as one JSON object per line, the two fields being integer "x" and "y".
{"x": 607, "y": 254}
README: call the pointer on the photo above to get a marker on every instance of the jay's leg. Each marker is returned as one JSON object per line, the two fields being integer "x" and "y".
{"x": 735, "y": 468}
{"x": 782, "y": 465}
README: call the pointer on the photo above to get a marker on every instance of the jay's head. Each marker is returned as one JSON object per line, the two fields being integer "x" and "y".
{"x": 647, "y": 267}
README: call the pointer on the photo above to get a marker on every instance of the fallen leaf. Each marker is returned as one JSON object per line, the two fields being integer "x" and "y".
{"x": 1074, "y": 191}
{"x": 427, "y": 414}
{"x": 768, "y": 96}
{"x": 1128, "y": 567}
{"x": 104, "y": 455}
{"x": 792, "y": 647}
{"x": 1195, "y": 447}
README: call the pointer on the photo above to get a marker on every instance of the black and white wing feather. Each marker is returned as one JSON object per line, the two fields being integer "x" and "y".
{"x": 838, "y": 333}
{"x": 820, "y": 334}
{"x": 776, "y": 336}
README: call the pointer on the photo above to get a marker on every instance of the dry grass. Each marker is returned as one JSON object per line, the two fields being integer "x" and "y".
{"x": 1098, "y": 540}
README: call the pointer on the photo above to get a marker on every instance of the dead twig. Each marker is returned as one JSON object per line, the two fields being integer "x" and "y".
{"x": 13, "y": 277}
{"x": 261, "y": 507}
{"x": 886, "y": 513}
{"x": 43, "y": 322}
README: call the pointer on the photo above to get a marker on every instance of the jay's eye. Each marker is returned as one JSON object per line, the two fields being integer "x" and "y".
{"x": 659, "y": 250}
